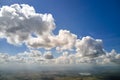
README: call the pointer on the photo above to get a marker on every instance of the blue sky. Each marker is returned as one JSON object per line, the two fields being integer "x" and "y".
{"x": 96, "y": 18}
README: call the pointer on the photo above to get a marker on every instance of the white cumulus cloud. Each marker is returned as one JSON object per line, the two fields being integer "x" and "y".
{"x": 90, "y": 47}
{"x": 18, "y": 22}
{"x": 48, "y": 55}
{"x": 63, "y": 41}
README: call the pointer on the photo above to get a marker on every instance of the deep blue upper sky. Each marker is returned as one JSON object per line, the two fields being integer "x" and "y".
{"x": 96, "y": 18}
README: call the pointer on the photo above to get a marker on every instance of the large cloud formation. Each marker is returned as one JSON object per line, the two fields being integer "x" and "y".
{"x": 21, "y": 24}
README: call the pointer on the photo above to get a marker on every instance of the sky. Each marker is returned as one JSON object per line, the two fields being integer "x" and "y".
{"x": 99, "y": 19}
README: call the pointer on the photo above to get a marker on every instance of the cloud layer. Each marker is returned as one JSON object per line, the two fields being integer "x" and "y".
{"x": 21, "y": 24}
{"x": 35, "y": 56}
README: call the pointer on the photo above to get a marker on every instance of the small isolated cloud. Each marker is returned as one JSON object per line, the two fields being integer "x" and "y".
{"x": 21, "y": 24}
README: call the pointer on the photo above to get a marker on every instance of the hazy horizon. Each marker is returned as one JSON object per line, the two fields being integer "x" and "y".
{"x": 59, "y": 40}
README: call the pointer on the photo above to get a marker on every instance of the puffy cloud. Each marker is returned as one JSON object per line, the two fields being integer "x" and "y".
{"x": 18, "y": 22}
{"x": 31, "y": 56}
{"x": 3, "y": 57}
{"x": 65, "y": 53}
{"x": 48, "y": 55}
{"x": 41, "y": 42}
{"x": 113, "y": 56}
{"x": 90, "y": 47}
{"x": 21, "y": 24}
{"x": 62, "y": 60}
{"x": 31, "y": 53}
{"x": 35, "y": 56}
{"x": 63, "y": 41}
